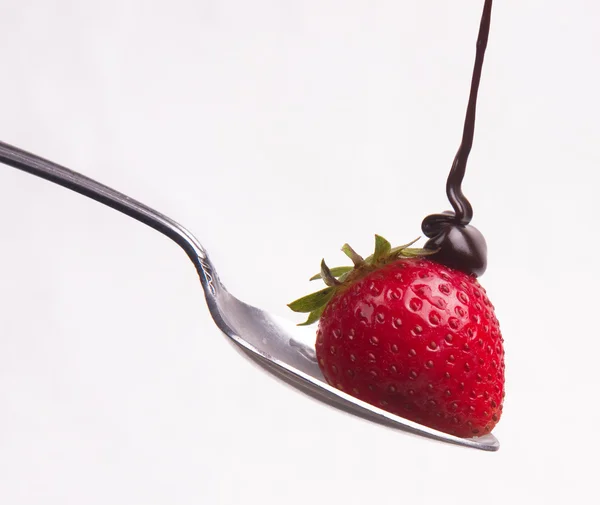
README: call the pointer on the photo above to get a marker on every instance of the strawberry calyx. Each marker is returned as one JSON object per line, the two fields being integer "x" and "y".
{"x": 338, "y": 279}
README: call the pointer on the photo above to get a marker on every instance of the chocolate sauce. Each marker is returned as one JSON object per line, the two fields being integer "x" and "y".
{"x": 459, "y": 244}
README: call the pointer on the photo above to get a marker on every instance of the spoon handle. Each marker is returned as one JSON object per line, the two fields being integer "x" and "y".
{"x": 79, "y": 183}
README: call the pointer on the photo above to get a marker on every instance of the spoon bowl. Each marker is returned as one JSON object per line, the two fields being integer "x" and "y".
{"x": 278, "y": 346}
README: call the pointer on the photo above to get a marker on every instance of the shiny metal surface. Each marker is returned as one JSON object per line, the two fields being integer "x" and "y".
{"x": 278, "y": 346}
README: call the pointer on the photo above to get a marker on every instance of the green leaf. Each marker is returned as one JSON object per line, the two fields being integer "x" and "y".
{"x": 356, "y": 258}
{"x": 312, "y": 302}
{"x": 327, "y": 276}
{"x": 397, "y": 250}
{"x": 415, "y": 252}
{"x": 313, "y": 317}
{"x": 382, "y": 248}
{"x": 336, "y": 272}
{"x": 342, "y": 278}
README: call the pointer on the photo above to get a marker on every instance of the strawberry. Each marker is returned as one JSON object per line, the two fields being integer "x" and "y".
{"x": 412, "y": 330}
{"x": 411, "y": 336}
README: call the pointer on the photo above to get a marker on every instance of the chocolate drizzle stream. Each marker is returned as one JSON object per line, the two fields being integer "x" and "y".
{"x": 460, "y": 245}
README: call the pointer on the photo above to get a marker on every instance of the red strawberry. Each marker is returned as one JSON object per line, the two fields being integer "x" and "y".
{"x": 413, "y": 337}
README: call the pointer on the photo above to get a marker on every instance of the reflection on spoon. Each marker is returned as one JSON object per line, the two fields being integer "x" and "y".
{"x": 278, "y": 346}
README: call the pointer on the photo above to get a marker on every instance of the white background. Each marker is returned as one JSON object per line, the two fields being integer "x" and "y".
{"x": 277, "y": 130}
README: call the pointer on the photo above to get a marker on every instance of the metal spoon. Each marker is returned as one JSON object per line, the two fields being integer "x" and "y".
{"x": 278, "y": 346}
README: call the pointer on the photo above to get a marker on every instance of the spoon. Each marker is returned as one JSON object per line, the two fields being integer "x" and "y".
{"x": 278, "y": 346}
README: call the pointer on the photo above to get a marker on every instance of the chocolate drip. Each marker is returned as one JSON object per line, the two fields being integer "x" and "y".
{"x": 459, "y": 244}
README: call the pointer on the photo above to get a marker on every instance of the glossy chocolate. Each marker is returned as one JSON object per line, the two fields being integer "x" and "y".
{"x": 459, "y": 244}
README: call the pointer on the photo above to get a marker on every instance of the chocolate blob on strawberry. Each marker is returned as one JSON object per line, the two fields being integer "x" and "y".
{"x": 411, "y": 330}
